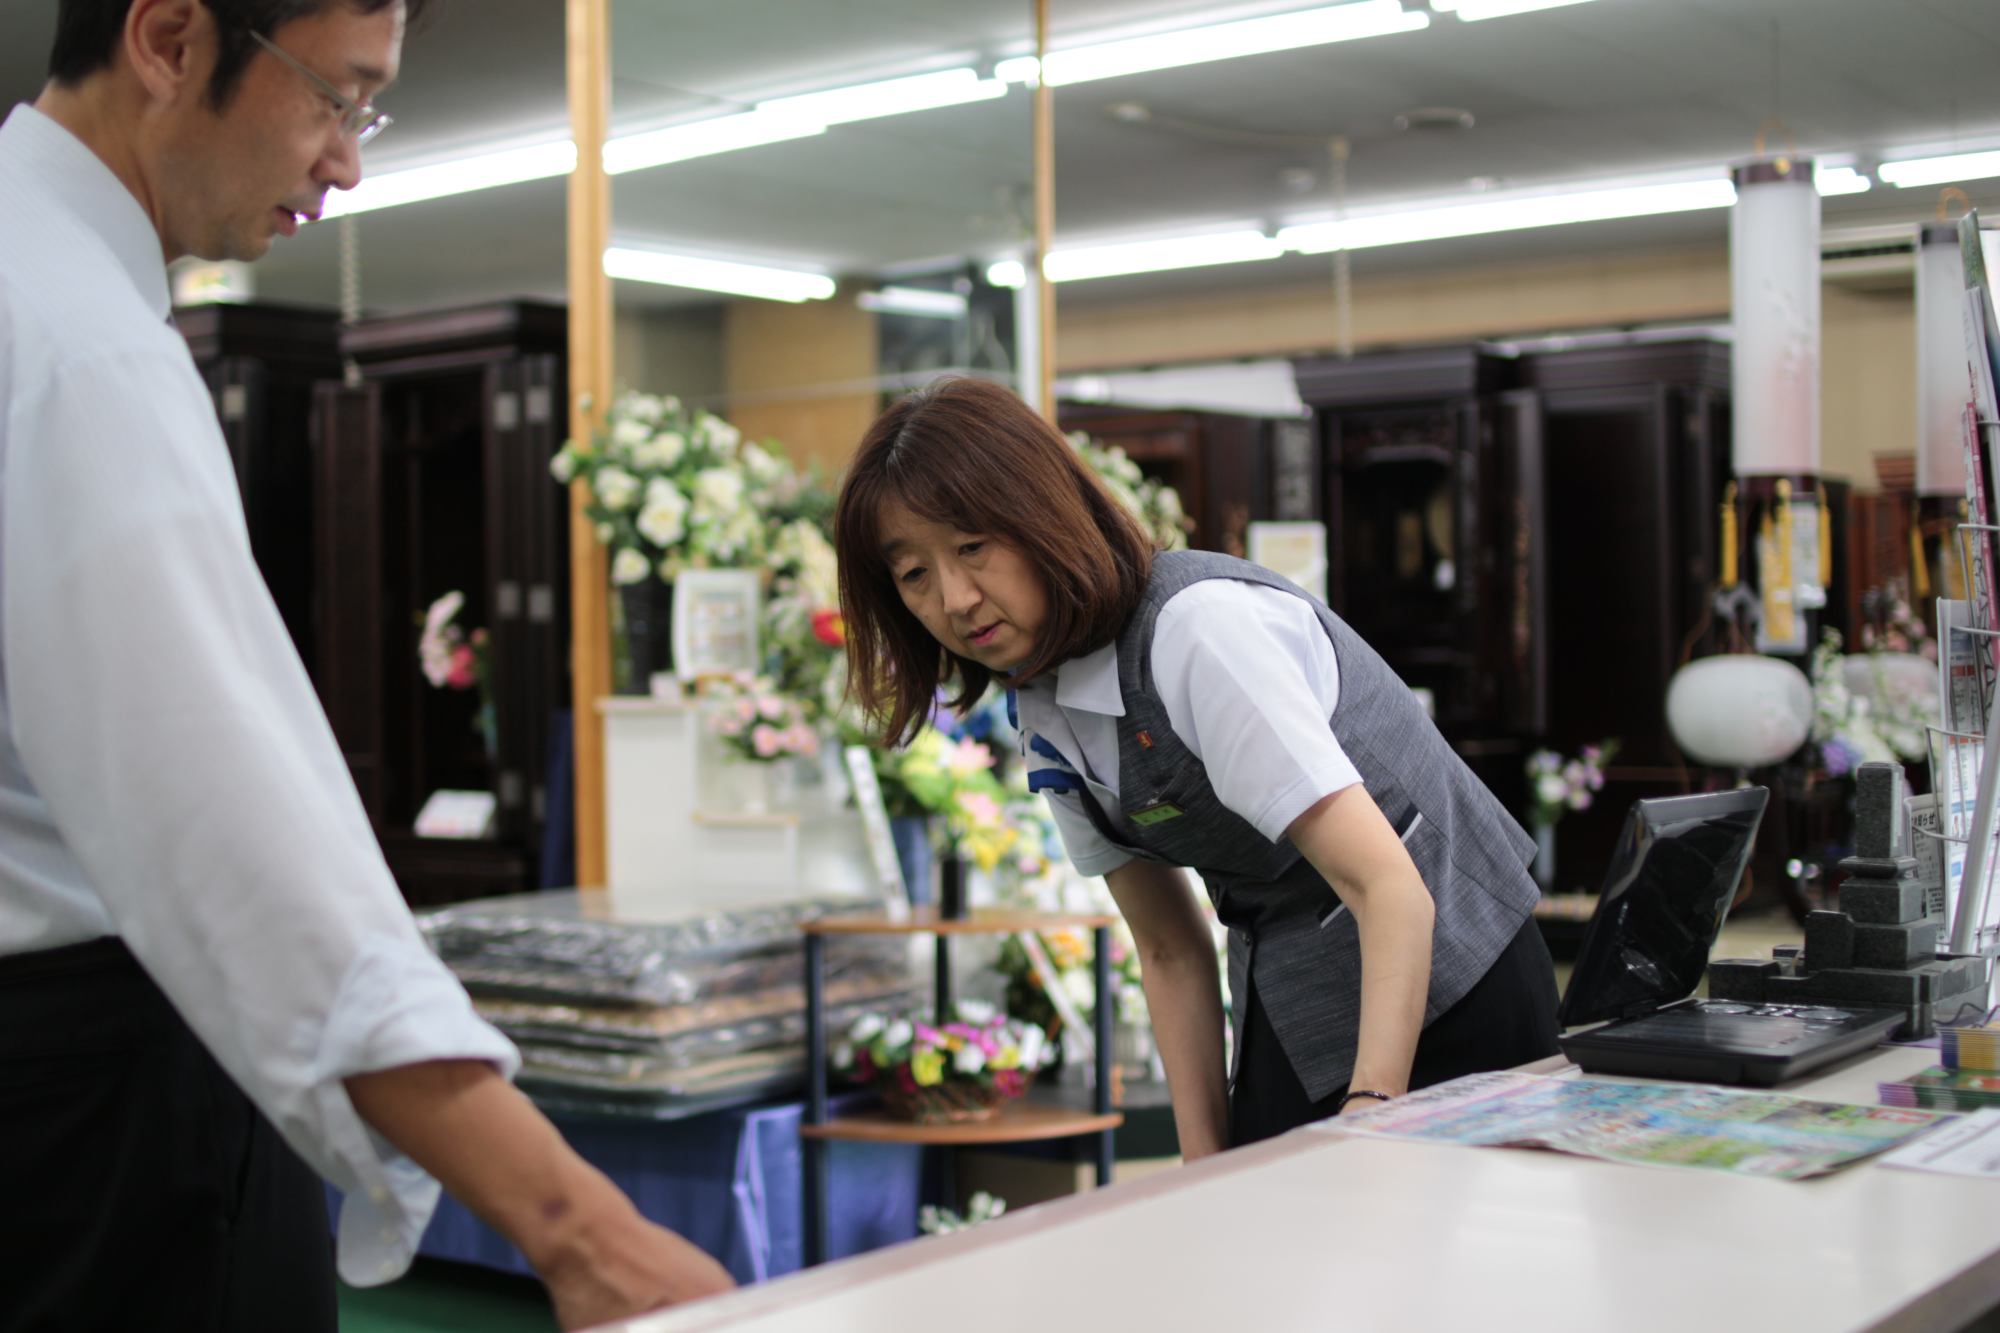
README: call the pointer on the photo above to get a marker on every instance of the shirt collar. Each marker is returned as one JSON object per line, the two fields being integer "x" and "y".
{"x": 1090, "y": 682}
{"x": 60, "y": 164}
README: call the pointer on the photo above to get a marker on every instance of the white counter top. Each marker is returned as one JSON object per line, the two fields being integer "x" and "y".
{"x": 1318, "y": 1232}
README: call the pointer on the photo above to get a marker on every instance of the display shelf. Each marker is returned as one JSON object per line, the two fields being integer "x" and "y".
{"x": 1017, "y": 1122}
{"x": 719, "y": 818}
{"x": 982, "y": 921}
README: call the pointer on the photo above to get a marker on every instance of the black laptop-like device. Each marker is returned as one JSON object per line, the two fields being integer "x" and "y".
{"x": 1676, "y": 868}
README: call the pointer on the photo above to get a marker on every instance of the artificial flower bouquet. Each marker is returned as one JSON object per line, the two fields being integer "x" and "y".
{"x": 964, "y": 1070}
{"x": 982, "y": 1207}
{"x": 1558, "y": 785}
{"x": 674, "y": 489}
{"x": 757, "y": 721}
{"x": 953, "y": 780}
{"x": 1155, "y": 504}
{"x": 1885, "y": 720}
{"x": 453, "y": 659}
{"x": 804, "y": 636}
{"x": 1067, "y": 949}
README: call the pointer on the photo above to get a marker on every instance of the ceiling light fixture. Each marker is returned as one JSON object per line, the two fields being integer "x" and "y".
{"x": 701, "y": 138}
{"x": 1915, "y": 171}
{"x": 1158, "y": 256}
{"x": 1007, "y": 273}
{"x": 715, "y": 275}
{"x": 1840, "y": 180}
{"x": 920, "y": 301}
{"x": 1473, "y": 11}
{"x": 1221, "y": 41}
{"x": 442, "y": 179}
{"x": 1519, "y": 213}
{"x": 890, "y": 97}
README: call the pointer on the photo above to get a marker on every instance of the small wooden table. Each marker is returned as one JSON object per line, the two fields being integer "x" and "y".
{"x": 1018, "y": 1122}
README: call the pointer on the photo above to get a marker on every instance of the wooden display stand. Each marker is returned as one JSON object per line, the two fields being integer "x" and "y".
{"x": 1018, "y": 1122}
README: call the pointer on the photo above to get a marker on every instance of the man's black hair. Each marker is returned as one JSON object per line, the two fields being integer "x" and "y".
{"x": 88, "y": 33}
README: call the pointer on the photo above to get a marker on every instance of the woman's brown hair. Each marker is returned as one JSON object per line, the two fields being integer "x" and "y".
{"x": 970, "y": 454}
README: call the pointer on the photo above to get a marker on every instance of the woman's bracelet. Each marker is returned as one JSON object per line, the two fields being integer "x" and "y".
{"x": 1364, "y": 1092}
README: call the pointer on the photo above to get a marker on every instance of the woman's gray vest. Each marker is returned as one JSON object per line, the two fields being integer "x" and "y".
{"x": 1286, "y": 929}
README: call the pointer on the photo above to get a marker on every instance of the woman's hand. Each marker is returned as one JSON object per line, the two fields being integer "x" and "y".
{"x": 1348, "y": 841}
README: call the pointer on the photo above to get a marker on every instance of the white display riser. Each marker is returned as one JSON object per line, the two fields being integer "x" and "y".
{"x": 677, "y": 839}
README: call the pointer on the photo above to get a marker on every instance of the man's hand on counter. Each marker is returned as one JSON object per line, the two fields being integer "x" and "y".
{"x": 621, "y": 1265}
{"x": 499, "y": 1156}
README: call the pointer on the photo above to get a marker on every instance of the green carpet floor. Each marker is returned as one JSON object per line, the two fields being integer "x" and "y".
{"x": 436, "y": 1296}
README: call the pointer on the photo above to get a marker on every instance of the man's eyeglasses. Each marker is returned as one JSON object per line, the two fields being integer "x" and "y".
{"x": 358, "y": 120}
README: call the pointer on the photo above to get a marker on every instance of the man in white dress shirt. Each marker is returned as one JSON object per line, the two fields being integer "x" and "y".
{"x": 192, "y": 905}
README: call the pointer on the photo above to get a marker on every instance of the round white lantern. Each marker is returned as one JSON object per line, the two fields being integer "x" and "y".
{"x": 1739, "y": 710}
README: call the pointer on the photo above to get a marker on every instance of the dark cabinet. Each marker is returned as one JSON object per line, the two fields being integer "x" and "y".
{"x": 1636, "y": 448}
{"x": 261, "y": 364}
{"x": 1432, "y": 475}
{"x": 432, "y": 476}
{"x": 1217, "y": 461}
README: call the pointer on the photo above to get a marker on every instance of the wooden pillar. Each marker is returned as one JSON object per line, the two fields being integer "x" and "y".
{"x": 1045, "y": 213}
{"x": 589, "y": 80}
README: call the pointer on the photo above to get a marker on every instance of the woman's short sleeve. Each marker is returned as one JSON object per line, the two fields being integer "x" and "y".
{"x": 1250, "y": 681}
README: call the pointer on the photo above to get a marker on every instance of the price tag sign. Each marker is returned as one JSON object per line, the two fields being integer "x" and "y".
{"x": 457, "y": 814}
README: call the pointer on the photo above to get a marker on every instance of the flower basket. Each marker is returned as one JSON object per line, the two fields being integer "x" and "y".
{"x": 960, "y": 1071}
{"x": 946, "y": 1103}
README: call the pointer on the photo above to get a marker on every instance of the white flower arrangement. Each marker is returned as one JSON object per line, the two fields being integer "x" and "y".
{"x": 672, "y": 489}
{"x": 981, "y": 1207}
{"x": 1156, "y": 505}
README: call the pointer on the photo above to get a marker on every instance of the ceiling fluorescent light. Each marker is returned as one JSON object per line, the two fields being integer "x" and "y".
{"x": 1840, "y": 180}
{"x": 1221, "y": 41}
{"x": 720, "y": 134}
{"x": 1516, "y": 214}
{"x": 1915, "y": 171}
{"x": 509, "y": 167}
{"x": 1110, "y": 261}
{"x": 891, "y": 97}
{"x": 1472, "y": 11}
{"x": 913, "y": 301}
{"x": 1007, "y": 273}
{"x": 715, "y": 275}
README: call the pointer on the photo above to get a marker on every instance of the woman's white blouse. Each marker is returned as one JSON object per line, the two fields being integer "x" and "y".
{"x": 1249, "y": 680}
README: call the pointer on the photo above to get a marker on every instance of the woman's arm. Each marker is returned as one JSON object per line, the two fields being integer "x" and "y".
{"x": 1348, "y": 841}
{"x": 1183, "y": 995}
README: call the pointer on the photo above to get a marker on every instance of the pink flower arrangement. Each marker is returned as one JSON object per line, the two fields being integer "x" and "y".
{"x": 757, "y": 721}
{"x": 1900, "y": 630}
{"x": 452, "y": 659}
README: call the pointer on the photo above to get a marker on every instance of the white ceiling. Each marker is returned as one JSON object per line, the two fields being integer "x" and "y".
{"x": 1606, "y": 89}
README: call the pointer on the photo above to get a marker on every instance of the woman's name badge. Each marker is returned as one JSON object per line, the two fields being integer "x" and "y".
{"x": 1156, "y": 814}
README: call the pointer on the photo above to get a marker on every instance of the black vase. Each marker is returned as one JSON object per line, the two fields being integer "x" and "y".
{"x": 647, "y": 608}
{"x": 952, "y": 888}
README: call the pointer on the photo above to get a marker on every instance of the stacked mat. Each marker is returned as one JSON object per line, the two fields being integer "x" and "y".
{"x": 658, "y": 1018}
{"x": 1968, "y": 1079}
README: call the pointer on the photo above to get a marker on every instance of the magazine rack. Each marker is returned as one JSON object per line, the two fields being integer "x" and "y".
{"x": 1967, "y": 914}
